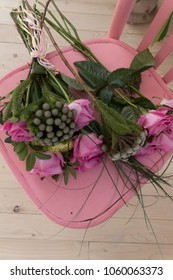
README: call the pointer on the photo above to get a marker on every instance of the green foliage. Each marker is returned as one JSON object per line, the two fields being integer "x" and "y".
{"x": 71, "y": 82}
{"x": 69, "y": 170}
{"x": 18, "y": 95}
{"x": 142, "y": 61}
{"x": 21, "y": 149}
{"x": 30, "y": 162}
{"x": 31, "y": 159}
{"x": 130, "y": 113}
{"x": 144, "y": 102}
{"x": 34, "y": 91}
{"x": 8, "y": 110}
{"x": 93, "y": 126}
{"x": 105, "y": 94}
{"x": 120, "y": 78}
{"x": 8, "y": 140}
{"x": 94, "y": 74}
{"x": 163, "y": 31}
{"x": 114, "y": 125}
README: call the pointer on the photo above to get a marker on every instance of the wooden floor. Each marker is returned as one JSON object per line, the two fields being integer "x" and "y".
{"x": 24, "y": 232}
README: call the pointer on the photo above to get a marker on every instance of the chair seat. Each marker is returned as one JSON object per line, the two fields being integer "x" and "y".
{"x": 92, "y": 198}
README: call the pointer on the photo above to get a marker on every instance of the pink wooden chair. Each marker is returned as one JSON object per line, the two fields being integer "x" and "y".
{"x": 92, "y": 198}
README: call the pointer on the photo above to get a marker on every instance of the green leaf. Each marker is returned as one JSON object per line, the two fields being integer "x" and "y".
{"x": 8, "y": 140}
{"x": 8, "y": 110}
{"x": 23, "y": 154}
{"x": 142, "y": 61}
{"x": 66, "y": 173}
{"x": 120, "y": 77}
{"x": 18, "y": 146}
{"x": 105, "y": 94}
{"x": 93, "y": 126}
{"x": 71, "y": 82}
{"x": 92, "y": 73}
{"x": 144, "y": 103}
{"x": 38, "y": 69}
{"x": 73, "y": 172}
{"x": 42, "y": 156}
{"x": 21, "y": 149}
{"x": 17, "y": 96}
{"x": 35, "y": 91}
{"x": 76, "y": 163}
{"x": 30, "y": 162}
{"x": 130, "y": 113}
{"x": 36, "y": 147}
{"x": 163, "y": 31}
{"x": 13, "y": 119}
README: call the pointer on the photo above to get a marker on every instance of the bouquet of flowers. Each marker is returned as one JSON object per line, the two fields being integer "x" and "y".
{"x": 60, "y": 125}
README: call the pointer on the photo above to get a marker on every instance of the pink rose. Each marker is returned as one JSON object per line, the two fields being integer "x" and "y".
{"x": 162, "y": 143}
{"x": 145, "y": 151}
{"x": 49, "y": 167}
{"x": 18, "y": 131}
{"x": 87, "y": 151}
{"x": 155, "y": 122}
{"x": 84, "y": 114}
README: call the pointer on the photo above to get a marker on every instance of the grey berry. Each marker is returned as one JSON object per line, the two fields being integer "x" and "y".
{"x": 72, "y": 125}
{"x": 55, "y": 139}
{"x": 62, "y": 125}
{"x": 68, "y": 121}
{"x": 66, "y": 130}
{"x": 57, "y": 122}
{"x": 49, "y": 128}
{"x": 47, "y": 114}
{"x": 70, "y": 114}
{"x": 46, "y": 106}
{"x": 71, "y": 132}
{"x": 42, "y": 127}
{"x": 36, "y": 121}
{"x": 49, "y": 121}
{"x": 58, "y": 105}
{"x": 55, "y": 112}
{"x": 66, "y": 137}
{"x": 50, "y": 135}
{"x": 63, "y": 118}
{"x": 40, "y": 134}
{"x": 65, "y": 110}
{"x": 39, "y": 113}
{"x": 59, "y": 133}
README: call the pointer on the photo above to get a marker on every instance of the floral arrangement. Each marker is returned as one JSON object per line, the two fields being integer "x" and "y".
{"x": 61, "y": 125}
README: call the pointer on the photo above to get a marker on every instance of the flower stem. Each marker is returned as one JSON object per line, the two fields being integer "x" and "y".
{"x": 126, "y": 99}
{"x": 57, "y": 82}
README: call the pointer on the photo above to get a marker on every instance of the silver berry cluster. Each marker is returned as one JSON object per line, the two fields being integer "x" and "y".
{"x": 53, "y": 124}
{"x": 130, "y": 150}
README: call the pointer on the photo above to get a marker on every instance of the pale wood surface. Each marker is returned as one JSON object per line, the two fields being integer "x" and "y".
{"x": 25, "y": 233}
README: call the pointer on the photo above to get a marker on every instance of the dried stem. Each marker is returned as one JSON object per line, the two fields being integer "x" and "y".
{"x": 60, "y": 53}
{"x": 45, "y": 11}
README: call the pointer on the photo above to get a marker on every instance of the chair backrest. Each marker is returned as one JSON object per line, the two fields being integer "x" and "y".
{"x": 120, "y": 17}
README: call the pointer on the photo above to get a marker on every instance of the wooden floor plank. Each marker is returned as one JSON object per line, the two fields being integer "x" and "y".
{"x": 117, "y": 230}
{"x": 117, "y": 251}
{"x": 41, "y": 249}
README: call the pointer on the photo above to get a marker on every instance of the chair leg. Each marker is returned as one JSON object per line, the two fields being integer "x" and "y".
{"x": 120, "y": 17}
